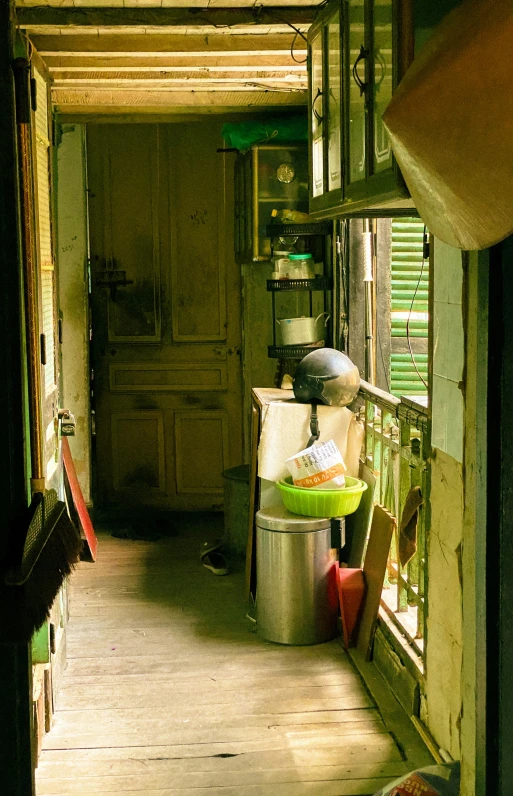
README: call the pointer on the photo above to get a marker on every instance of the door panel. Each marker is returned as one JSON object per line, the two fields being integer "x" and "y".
{"x": 203, "y": 468}
{"x": 166, "y": 336}
{"x": 141, "y": 376}
{"x": 198, "y": 297}
{"x": 138, "y": 447}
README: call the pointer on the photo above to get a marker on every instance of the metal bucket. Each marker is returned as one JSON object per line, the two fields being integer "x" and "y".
{"x": 236, "y": 509}
{"x": 296, "y": 601}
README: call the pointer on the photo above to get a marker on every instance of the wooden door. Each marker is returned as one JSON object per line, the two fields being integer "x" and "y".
{"x": 166, "y": 345}
{"x": 42, "y": 160}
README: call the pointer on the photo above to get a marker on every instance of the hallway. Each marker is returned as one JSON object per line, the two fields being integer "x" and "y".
{"x": 169, "y": 690}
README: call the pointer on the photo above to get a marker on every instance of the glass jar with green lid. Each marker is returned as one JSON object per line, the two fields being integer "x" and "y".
{"x": 301, "y": 266}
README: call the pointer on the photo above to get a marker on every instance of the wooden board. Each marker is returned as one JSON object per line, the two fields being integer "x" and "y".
{"x": 78, "y": 500}
{"x": 358, "y": 524}
{"x": 253, "y": 503}
{"x": 374, "y": 568}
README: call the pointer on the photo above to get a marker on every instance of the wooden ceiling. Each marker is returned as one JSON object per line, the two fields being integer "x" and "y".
{"x": 131, "y": 57}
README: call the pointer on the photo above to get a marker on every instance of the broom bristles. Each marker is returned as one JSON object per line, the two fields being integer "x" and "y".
{"x": 28, "y": 606}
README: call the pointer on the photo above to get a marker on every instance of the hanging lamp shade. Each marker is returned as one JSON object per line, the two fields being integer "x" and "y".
{"x": 451, "y": 126}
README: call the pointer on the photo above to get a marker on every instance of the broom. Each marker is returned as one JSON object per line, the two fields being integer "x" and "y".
{"x": 51, "y": 544}
{"x": 52, "y": 548}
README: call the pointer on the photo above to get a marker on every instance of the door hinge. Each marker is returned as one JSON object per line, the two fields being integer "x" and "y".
{"x": 426, "y": 249}
{"x": 43, "y": 349}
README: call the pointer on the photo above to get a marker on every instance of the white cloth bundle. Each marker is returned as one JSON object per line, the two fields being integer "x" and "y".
{"x": 286, "y": 430}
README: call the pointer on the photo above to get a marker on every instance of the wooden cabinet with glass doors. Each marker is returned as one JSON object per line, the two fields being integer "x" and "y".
{"x": 358, "y": 50}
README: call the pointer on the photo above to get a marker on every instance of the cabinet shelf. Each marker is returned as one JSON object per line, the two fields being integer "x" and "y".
{"x": 319, "y": 283}
{"x": 292, "y": 230}
{"x": 292, "y": 351}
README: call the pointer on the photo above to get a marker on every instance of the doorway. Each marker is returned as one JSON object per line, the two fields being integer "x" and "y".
{"x": 166, "y": 324}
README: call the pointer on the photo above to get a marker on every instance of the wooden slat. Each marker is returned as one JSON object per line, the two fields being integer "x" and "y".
{"x": 67, "y": 735}
{"x": 362, "y": 787}
{"x": 226, "y": 767}
{"x": 148, "y": 45}
{"x": 374, "y": 568}
{"x": 144, "y": 72}
{"x": 29, "y": 17}
{"x": 126, "y": 100}
{"x": 247, "y": 62}
{"x": 152, "y": 695}
{"x": 169, "y": 780}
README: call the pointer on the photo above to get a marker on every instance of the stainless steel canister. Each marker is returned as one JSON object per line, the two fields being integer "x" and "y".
{"x": 296, "y": 597}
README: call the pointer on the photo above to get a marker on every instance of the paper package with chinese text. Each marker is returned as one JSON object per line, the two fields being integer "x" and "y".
{"x": 319, "y": 467}
{"x": 440, "y": 780}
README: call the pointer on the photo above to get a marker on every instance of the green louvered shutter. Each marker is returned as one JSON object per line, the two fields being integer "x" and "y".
{"x": 407, "y": 239}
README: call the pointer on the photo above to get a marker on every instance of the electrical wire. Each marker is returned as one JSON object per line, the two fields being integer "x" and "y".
{"x": 411, "y": 310}
{"x": 297, "y": 33}
{"x": 297, "y": 60}
{"x": 266, "y": 87}
{"x": 385, "y": 369}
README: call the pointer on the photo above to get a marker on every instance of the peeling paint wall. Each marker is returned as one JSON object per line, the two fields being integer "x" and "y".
{"x": 444, "y": 623}
{"x": 73, "y": 294}
{"x": 442, "y": 706}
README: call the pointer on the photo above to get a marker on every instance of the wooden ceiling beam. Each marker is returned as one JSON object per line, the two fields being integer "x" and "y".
{"x": 100, "y": 114}
{"x": 92, "y": 71}
{"x": 189, "y": 84}
{"x": 172, "y": 61}
{"x": 91, "y": 76}
{"x": 82, "y": 100}
{"x": 194, "y": 88}
{"x": 143, "y": 45}
{"x": 65, "y": 16}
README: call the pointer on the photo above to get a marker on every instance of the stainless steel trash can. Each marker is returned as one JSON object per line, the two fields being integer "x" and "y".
{"x": 296, "y": 600}
{"x": 236, "y": 509}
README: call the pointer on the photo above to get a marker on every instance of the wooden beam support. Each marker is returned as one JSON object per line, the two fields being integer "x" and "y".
{"x": 187, "y": 80}
{"x": 142, "y": 100}
{"x": 63, "y": 17}
{"x": 149, "y": 45}
{"x": 191, "y": 61}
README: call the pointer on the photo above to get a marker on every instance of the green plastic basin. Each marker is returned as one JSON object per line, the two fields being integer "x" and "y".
{"x": 322, "y": 502}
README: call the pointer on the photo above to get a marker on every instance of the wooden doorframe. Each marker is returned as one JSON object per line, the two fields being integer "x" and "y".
{"x": 495, "y": 646}
{"x": 15, "y": 659}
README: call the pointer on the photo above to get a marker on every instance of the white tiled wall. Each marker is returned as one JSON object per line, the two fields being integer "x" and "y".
{"x": 448, "y": 350}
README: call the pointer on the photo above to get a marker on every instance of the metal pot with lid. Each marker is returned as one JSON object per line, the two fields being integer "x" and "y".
{"x": 303, "y": 330}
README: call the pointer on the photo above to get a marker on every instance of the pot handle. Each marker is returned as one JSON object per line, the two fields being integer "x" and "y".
{"x": 320, "y": 316}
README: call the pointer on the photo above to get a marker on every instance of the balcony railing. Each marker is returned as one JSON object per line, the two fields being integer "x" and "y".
{"x": 396, "y": 446}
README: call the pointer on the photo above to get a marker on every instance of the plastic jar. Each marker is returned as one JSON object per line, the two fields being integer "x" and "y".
{"x": 301, "y": 266}
{"x": 281, "y": 264}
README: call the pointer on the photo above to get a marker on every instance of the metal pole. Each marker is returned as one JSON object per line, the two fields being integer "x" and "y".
{"x": 368, "y": 279}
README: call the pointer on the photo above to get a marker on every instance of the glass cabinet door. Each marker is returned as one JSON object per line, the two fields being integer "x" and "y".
{"x": 334, "y": 97}
{"x": 382, "y": 81}
{"x": 357, "y": 67}
{"x": 317, "y": 125}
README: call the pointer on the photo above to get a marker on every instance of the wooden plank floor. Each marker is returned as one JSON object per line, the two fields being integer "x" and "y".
{"x": 169, "y": 691}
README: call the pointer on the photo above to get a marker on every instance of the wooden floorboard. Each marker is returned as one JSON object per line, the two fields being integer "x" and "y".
{"x": 170, "y": 692}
